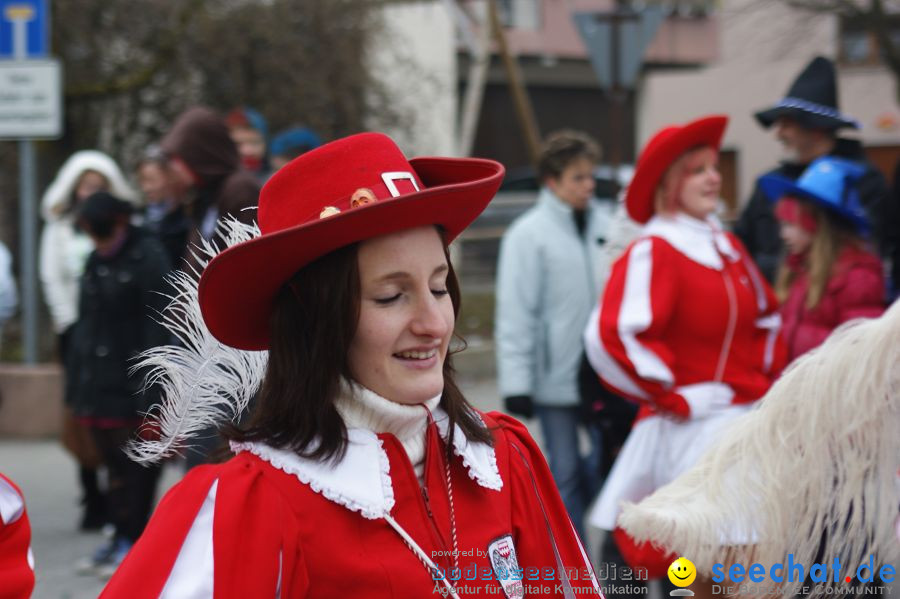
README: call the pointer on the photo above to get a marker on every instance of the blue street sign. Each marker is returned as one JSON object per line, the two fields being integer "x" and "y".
{"x": 635, "y": 32}
{"x": 24, "y": 28}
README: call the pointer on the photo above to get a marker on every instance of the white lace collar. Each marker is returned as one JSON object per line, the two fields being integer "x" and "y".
{"x": 361, "y": 481}
{"x": 702, "y": 241}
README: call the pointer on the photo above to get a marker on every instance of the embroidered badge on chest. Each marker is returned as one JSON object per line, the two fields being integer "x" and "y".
{"x": 502, "y": 554}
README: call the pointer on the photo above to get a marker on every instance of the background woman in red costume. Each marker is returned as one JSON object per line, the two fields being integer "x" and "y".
{"x": 363, "y": 471}
{"x": 687, "y": 326}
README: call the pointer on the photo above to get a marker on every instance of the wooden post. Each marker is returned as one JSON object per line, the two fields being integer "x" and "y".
{"x": 521, "y": 102}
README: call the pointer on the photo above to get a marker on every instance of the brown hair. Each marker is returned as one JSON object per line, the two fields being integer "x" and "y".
{"x": 562, "y": 148}
{"x": 831, "y": 236}
{"x": 313, "y": 323}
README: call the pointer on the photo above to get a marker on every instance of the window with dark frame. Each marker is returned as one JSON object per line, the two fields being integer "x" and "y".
{"x": 858, "y": 45}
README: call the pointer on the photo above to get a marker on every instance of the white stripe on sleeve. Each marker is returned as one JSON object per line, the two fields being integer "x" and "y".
{"x": 192, "y": 574}
{"x": 12, "y": 506}
{"x": 604, "y": 364}
{"x": 772, "y": 323}
{"x": 636, "y": 315}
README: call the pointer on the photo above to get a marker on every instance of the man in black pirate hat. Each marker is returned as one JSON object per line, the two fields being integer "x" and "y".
{"x": 806, "y": 122}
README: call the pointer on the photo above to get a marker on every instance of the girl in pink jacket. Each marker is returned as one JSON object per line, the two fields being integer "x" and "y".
{"x": 830, "y": 275}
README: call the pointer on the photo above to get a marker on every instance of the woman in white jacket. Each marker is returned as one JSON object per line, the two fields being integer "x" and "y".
{"x": 64, "y": 251}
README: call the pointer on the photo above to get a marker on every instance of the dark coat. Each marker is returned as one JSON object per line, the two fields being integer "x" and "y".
{"x": 758, "y": 228}
{"x": 118, "y": 309}
{"x": 172, "y": 231}
{"x": 200, "y": 139}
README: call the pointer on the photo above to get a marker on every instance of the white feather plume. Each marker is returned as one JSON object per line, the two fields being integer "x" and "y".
{"x": 811, "y": 472}
{"x": 202, "y": 382}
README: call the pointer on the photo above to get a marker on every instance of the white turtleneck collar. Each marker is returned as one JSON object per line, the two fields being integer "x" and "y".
{"x": 362, "y": 408}
{"x": 703, "y": 241}
{"x": 361, "y": 480}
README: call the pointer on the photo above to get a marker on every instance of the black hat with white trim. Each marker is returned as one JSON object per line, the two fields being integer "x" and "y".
{"x": 811, "y": 100}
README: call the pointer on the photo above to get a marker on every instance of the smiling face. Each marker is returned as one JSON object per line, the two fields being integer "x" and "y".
{"x": 406, "y": 316}
{"x": 682, "y": 572}
{"x": 701, "y": 183}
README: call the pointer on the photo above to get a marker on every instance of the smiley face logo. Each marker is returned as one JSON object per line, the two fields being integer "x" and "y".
{"x": 682, "y": 572}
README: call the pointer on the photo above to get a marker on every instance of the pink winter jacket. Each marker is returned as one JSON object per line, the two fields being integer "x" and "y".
{"x": 855, "y": 290}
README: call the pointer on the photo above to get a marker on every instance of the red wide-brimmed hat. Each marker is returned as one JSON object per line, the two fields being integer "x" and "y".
{"x": 346, "y": 191}
{"x": 659, "y": 154}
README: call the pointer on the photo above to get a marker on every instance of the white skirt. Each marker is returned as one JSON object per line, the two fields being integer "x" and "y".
{"x": 657, "y": 451}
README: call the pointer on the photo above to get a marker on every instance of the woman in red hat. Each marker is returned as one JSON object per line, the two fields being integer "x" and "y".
{"x": 363, "y": 471}
{"x": 687, "y": 325}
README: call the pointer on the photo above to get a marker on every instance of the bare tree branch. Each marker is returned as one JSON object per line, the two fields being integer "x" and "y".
{"x": 879, "y": 18}
{"x": 843, "y": 7}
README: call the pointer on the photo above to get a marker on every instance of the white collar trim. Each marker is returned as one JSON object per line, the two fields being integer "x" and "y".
{"x": 361, "y": 481}
{"x": 703, "y": 242}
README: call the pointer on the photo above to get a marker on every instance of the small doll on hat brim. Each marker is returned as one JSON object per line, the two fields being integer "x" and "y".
{"x": 363, "y": 468}
{"x": 830, "y": 273}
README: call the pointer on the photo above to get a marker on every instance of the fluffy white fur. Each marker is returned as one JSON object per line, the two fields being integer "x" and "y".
{"x": 820, "y": 454}
{"x": 203, "y": 381}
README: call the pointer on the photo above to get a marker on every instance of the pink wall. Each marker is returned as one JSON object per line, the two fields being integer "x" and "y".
{"x": 679, "y": 40}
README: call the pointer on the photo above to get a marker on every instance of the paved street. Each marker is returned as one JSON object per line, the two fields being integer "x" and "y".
{"x": 47, "y": 476}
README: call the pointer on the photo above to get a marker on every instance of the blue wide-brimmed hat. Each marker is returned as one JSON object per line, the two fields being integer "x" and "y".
{"x": 828, "y": 182}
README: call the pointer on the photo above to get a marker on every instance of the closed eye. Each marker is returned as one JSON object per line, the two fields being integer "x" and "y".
{"x": 387, "y": 300}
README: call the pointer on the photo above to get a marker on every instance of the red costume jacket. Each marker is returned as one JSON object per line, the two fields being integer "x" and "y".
{"x": 270, "y": 524}
{"x": 687, "y": 321}
{"x": 855, "y": 290}
{"x": 16, "y": 560}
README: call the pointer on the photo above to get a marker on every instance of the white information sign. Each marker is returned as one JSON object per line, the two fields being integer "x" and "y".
{"x": 30, "y": 99}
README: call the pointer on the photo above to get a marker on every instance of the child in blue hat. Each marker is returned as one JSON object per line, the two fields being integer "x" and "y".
{"x": 830, "y": 274}
{"x": 291, "y": 143}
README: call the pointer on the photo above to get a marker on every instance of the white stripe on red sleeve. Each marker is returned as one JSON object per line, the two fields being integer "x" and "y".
{"x": 636, "y": 315}
{"x": 192, "y": 574}
{"x": 12, "y": 506}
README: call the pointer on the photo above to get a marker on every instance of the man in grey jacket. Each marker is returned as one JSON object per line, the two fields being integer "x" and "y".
{"x": 548, "y": 280}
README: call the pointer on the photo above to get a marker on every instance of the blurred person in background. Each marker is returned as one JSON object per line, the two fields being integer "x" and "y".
{"x": 548, "y": 279}
{"x": 291, "y": 143}
{"x": 830, "y": 274}
{"x": 249, "y": 132}
{"x": 121, "y": 298}
{"x": 806, "y": 122}
{"x": 9, "y": 295}
{"x": 687, "y": 326}
{"x": 206, "y": 171}
{"x": 164, "y": 213}
{"x": 207, "y": 174}
{"x": 63, "y": 253}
